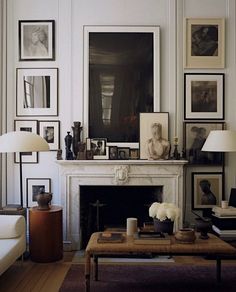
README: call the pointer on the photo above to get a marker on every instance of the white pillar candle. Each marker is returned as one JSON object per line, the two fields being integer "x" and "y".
{"x": 224, "y": 204}
{"x": 132, "y": 226}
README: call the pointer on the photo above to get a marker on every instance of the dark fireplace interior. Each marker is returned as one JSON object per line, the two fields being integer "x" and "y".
{"x": 103, "y": 207}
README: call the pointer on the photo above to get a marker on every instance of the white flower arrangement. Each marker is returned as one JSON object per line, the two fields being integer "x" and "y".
{"x": 163, "y": 211}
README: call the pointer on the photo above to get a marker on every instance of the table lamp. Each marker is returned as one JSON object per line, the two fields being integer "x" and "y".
{"x": 22, "y": 141}
{"x": 220, "y": 141}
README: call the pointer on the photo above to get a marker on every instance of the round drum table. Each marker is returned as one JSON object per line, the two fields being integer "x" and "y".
{"x": 45, "y": 230}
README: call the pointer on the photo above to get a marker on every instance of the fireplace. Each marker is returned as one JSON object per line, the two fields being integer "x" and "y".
{"x": 78, "y": 174}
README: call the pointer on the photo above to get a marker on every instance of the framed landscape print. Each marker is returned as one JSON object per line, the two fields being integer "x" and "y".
{"x": 50, "y": 131}
{"x": 154, "y": 126}
{"x": 36, "y": 40}
{"x": 36, "y": 92}
{"x": 116, "y": 58}
{"x": 35, "y": 186}
{"x": 204, "y": 96}
{"x": 195, "y": 135}
{"x": 28, "y": 126}
{"x": 204, "y": 43}
{"x": 207, "y": 189}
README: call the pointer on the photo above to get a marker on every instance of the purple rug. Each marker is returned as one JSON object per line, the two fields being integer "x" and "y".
{"x": 142, "y": 278}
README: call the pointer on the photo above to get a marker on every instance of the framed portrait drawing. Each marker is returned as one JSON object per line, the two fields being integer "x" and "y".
{"x": 116, "y": 58}
{"x": 134, "y": 153}
{"x": 35, "y": 186}
{"x": 36, "y": 40}
{"x": 28, "y": 126}
{"x": 207, "y": 189}
{"x": 123, "y": 153}
{"x": 204, "y": 43}
{"x": 113, "y": 152}
{"x": 50, "y": 131}
{"x": 195, "y": 135}
{"x": 99, "y": 148}
{"x": 36, "y": 92}
{"x": 154, "y": 135}
{"x": 204, "y": 96}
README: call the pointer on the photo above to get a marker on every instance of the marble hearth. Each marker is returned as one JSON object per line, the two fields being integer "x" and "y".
{"x": 76, "y": 173}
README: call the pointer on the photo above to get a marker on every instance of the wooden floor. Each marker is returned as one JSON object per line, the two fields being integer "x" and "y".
{"x": 29, "y": 276}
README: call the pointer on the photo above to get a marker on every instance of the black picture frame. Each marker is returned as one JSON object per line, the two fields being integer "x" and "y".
{"x": 123, "y": 153}
{"x": 214, "y": 182}
{"x": 113, "y": 152}
{"x": 195, "y": 134}
{"x": 134, "y": 154}
{"x": 50, "y": 131}
{"x": 36, "y": 40}
{"x": 33, "y": 186}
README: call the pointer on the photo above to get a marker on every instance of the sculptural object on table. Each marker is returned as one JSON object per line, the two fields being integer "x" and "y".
{"x": 68, "y": 143}
{"x": 76, "y": 137}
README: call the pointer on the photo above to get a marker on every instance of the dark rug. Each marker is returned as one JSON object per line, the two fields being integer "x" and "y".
{"x": 137, "y": 278}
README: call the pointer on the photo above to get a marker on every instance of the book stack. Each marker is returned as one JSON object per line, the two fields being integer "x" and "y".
{"x": 143, "y": 237}
{"x": 224, "y": 222}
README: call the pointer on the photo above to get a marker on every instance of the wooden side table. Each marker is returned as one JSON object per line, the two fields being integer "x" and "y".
{"x": 45, "y": 229}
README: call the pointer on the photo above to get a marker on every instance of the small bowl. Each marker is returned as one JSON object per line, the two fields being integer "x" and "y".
{"x": 185, "y": 235}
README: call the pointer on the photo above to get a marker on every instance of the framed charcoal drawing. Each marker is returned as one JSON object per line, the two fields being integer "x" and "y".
{"x": 28, "y": 126}
{"x": 195, "y": 135}
{"x": 50, "y": 131}
{"x": 123, "y": 153}
{"x": 113, "y": 152}
{"x": 207, "y": 189}
{"x": 204, "y": 43}
{"x": 36, "y": 40}
{"x": 204, "y": 96}
{"x": 35, "y": 186}
{"x": 36, "y": 92}
{"x": 116, "y": 58}
{"x": 134, "y": 153}
{"x": 154, "y": 134}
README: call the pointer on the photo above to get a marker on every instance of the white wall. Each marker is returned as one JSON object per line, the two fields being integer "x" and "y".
{"x": 70, "y": 17}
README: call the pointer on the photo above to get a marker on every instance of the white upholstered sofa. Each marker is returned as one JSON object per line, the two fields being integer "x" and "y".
{"x": 12, "y": 240}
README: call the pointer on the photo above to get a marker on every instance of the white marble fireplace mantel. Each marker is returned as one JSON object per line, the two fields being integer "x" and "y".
{"x": 75, "y": 173}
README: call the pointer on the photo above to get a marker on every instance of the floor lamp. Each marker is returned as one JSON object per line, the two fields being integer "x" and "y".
{"x": 20, "y": 142}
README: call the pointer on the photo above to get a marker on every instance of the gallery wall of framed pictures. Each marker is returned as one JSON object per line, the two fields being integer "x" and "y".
{"x": 204, "y": 110}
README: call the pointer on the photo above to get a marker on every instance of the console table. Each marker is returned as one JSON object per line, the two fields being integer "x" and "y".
{"x": 213, "y": 246}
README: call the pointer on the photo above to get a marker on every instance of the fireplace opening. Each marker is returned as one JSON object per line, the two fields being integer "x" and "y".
{"x": 103, "y": 207}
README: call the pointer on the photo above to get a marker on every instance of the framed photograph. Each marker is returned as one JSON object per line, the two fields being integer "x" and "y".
{"x": 33, "y": 187}
{"x": 204, "y": 96}
{"x": 195, "y": 135}
{"x": 36, "y": 40}
{"x": 153, "y": 127}
{"x": 207, "y": 189}
{"x": 98, "y": 148}
{"x": 50, "y": 131}
{"x": 134, "y": 153}
{"x": 116, "y": 58}
{"x": 205, "y": 43}
{"x": 28, "y": 126}
{"x": 123, "y": 153}
{"x": 37, "y": 92}
{"x": 113, "y": 152}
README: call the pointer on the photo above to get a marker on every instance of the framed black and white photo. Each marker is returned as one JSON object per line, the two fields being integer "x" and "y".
{"x": 33, "y": 187}
{"x": 116, "y": 58}
{"x": 37, "y": 92}
{"x": 36, "y": 40}
{"x": 123, "y": 153}
{"x": 28, "y": 126}
{"x": 113, "y": 152}
{"x": 205, "y": 43}
{"x": 195, "y": 135}
{"x": 50, "y": 131}
{"x": 204, "y": 96}
{"x": 134, "y": 153}
{"x": 154, "y": 136}
{"x": 99, "y": 148}
{"x": 207, "y": 189}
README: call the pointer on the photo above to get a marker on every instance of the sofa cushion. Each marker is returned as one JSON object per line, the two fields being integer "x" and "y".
{"x": 11, "y": 226}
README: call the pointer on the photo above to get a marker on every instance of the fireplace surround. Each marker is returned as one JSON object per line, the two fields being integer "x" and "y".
{"x": 168, "y": 174}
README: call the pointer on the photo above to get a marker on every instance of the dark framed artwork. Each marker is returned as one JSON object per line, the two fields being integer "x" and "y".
{"x": 50, "y": 131}
{"x": 98, "y": 148}
{"x": 123, "y": 153}
{"x": 35, "y": 186}
{"x": 37, "y": 92}
{"x": 134, "y": 153}
{"x": 207, "y": 189}
{"x": 195, "y": 135}
{"x": 205, "y": 43}
{"x": 154, "y": 136}
{"x": 204, "y": 96}
{"x": 116, "y": 58}
{"x": 113, "y": 152}
{"x": 28, "y": 126}
{"x": 36, "y": 40}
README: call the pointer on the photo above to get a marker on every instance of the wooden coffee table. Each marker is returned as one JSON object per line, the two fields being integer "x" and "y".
{"x": 212, "y": 246}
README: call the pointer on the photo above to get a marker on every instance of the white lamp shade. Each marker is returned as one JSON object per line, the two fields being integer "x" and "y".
{"x": 22, "y": 141}
{"x": 220, "y": 141}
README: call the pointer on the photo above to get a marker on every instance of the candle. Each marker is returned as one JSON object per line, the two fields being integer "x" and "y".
{"x": 132, "y": 226}
{"x": 176, "y": 140}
